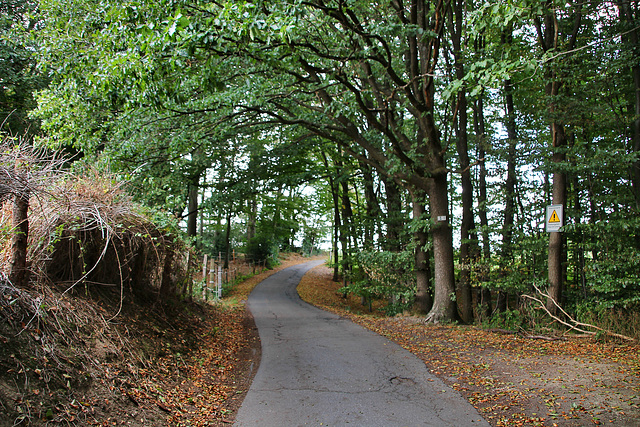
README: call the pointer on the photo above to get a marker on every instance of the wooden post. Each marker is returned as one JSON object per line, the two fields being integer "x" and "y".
{"x": 204, "y": 277}
{"x": 188, "y": 290}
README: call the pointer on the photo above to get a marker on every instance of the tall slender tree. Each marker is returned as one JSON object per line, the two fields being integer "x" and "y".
{"x": 554, "y": 38}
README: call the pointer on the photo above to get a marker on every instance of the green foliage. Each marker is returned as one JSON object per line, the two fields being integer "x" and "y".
{"x": 244, "y": 99}
{"x": 263, "y": 248}
{"x": 384, "y": 275}
{"x": 511, "y": 320}
{"x": 19, "y": 76}
{"x": 611, "y": 271}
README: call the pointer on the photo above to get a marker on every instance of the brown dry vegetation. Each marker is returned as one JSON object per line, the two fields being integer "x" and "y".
{"x": 153, "y": 364}
{"x": 98, "y": 336}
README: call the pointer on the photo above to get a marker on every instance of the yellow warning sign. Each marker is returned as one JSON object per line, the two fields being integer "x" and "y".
{"x": 553, "y": 218}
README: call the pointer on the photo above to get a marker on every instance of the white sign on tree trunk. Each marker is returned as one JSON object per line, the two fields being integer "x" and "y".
{"x": 554, "y": 218}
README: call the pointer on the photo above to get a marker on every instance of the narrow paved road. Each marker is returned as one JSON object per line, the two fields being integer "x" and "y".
{"x": 322, "y": 370}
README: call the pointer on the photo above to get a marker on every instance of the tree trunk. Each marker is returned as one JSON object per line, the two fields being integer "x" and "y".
{"x": 484, "y": 294}
{"x": 252, "y": 218}
{"x": 346, "y": 231}
{"x": 337, "y": 225}
{"x": 424, "y": 301}
{"x": 549, "y": 37}
{"x": 192, "y": 214}
{"x": 227, "y": 240}
{"x": 394, "y": 219}
{"x": 556, "y": 240}
{"x": 468, "y": 238}
{"x": 347, "y": 216}
{"x": 627, "y": 15}
{"x": 479, "y": 125}
{"x": 506, "y": 253}
{"x": 444, "y": 306}
{"x": 336, "y": 237}
{"x": 18, "y": 273}
{"x": 502, "y": 302}
{"x": 510, "y": 182}
{"x": 372, "y": 207}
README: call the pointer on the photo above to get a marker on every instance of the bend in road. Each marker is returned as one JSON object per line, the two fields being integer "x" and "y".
{"x": 320, "y": 369}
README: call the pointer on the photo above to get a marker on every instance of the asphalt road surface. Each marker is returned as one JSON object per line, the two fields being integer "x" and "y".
{"x": 319, "y": 369}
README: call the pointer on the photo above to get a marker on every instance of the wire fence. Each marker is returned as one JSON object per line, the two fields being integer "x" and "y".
{"x": 212, "y": 277}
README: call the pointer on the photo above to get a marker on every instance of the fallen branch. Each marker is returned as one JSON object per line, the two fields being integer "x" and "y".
{"x": 544, "y": 337}
{"x": 163, "y": 407}
{"x": 573, "y": 324}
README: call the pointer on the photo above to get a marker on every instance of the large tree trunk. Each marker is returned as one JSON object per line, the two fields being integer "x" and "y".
{"x": 556, "y": 239}
{"x": 510, "y": 182}
{"x": 444, "y": 306}
{"x": 18, "y": 273}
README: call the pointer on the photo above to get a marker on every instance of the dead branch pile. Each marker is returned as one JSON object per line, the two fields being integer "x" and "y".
{"x": 87, "y": 231}
{"x": 25, "y": 170}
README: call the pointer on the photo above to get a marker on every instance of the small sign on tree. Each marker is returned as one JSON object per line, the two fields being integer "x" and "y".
{"x": 554, "y": 218}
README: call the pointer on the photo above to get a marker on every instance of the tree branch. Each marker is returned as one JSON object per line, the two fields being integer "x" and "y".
{"x": 573, "y": 324}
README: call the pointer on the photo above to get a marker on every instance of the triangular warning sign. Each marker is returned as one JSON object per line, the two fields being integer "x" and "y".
{"x": 554, "y": 217}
